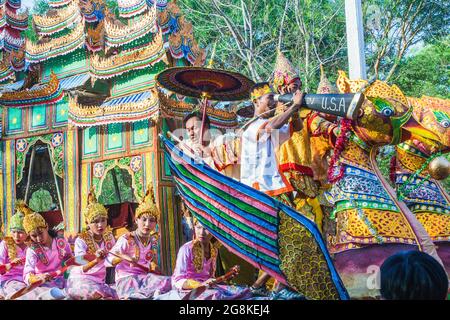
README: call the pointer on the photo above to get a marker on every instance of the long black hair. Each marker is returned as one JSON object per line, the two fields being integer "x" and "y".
{"x": 413, "y": 275}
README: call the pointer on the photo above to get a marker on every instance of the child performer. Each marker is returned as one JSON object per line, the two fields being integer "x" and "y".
{"x": 195, "y": 266}
{"x": 12, "y": 251}
{"x": 46, "y": 254}
{"x": 132, "y": 281}
{"x": 88, "y": 282}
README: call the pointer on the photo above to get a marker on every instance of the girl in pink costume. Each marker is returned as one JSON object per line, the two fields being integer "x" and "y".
{"x": 46, "y": 254}
{"x": 12, "y": 251}
{"x": 196, "y": 265}
{"x": 137, "y": 280}
{"x": 88, "y": 282}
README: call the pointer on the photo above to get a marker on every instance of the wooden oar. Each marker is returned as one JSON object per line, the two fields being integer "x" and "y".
{"x": 130, "y": 260}
{"x": 4, "y": 268}
{"x": 74, "y": 261}
{"x": 195, "y": 293}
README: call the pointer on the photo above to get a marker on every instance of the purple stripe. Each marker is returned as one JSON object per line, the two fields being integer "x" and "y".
{"x": 228, "y": 211}
{"x": 231, "y": 232}
{"x": 231, "y": 191}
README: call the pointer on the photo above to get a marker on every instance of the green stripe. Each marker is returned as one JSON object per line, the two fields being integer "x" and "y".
{"x": 220, "y": 193}
{"x": 237, "y": 242}
{"x": 233, "y": 221}
{"x": 364, "y": 204}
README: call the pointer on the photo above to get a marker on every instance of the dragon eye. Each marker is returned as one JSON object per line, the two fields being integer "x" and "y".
{"x": 445, "y": 123}
{"x": 387, "y": 112}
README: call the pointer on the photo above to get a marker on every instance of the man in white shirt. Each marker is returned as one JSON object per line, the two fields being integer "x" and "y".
{"x": 260, "y": 141}
{"x": 262, "y": 138}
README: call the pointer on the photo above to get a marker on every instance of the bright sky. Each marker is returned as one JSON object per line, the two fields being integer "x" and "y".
{"x": 27, "y": 3}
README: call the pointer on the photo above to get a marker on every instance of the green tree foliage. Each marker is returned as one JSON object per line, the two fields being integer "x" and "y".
{"x": 247, "y": 34}
{"x": 426, "y": 72}
{"x": 40, "y": 7}
{"x": 392, "y": 27}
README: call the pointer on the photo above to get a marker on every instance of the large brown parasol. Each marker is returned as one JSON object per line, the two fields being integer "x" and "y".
{"x": 212, "y": 84}
{"x": 207, "y": 84}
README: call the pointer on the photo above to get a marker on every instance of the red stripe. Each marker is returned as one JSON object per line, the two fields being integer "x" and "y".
{"x": 228, "y": 211}
{"x": 231, "y": 191}
{"x": 271, "y": 272}
{"x": 230, "y": 231}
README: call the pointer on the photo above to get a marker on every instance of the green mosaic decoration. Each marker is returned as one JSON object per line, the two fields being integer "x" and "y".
{"x": 14, "y": 119}
{"x": 41, "y": 201}
{"x": 137, "y": 80}
{"x": 54, "y": 141}
{"x": 38, "y": 117}
{"x": 62, "y": 111}
{"x": 115, "y": 136}
{"x": 67, "y": 65}
{"x": 109, "y": 192}
{"x": 140, "y": 133}
{"x": 90, "y": 141}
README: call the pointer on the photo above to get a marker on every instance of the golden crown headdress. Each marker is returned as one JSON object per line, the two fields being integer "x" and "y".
{"x": 32, "y": 220}
{"x": 148, "y": 205}
{"x": 285, "y": 72}
{"x": 325, "y": 86}
{"x": 94, "y": 209}
{"x": 260, "y": 91}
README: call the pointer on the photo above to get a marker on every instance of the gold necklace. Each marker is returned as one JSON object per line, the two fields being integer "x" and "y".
{"x": 144, "y": 243}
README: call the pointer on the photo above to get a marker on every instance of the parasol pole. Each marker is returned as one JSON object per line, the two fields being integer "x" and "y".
{"x": 204, "y": 103}
{"x": 190, "y": 152}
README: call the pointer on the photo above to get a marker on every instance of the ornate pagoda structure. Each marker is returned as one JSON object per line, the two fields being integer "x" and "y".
{"x": 80, "y": 109}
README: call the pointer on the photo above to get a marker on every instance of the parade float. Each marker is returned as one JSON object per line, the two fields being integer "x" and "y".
{"x": 80, "y": 109}
{"x": 371, "y": 220}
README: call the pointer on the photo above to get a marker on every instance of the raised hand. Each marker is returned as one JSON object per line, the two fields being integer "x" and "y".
{"x": 101, "y": 254}
{"x": 298, "y": 99}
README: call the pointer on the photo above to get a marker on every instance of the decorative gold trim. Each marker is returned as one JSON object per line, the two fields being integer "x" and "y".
{"x": 168, "y": 105}
{"x": 116, "y": 31}
{"x": 57, "y": 17}
{"x": 40, "y": 48}
{"x": 45, "y": 90}
{"x": 117, "y": 61}
{"x": 84, "y": 111}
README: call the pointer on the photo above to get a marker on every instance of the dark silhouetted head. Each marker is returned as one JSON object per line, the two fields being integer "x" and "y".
{"x": 413, "y": 275}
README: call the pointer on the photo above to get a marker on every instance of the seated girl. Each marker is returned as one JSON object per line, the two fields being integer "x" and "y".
{"x": 195, "y": 266}
{"x": 45, "y": 254}
{"x": 88, "y": 282}
{"x": 137, "y": 280}
{"x": 12, "y": 252}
